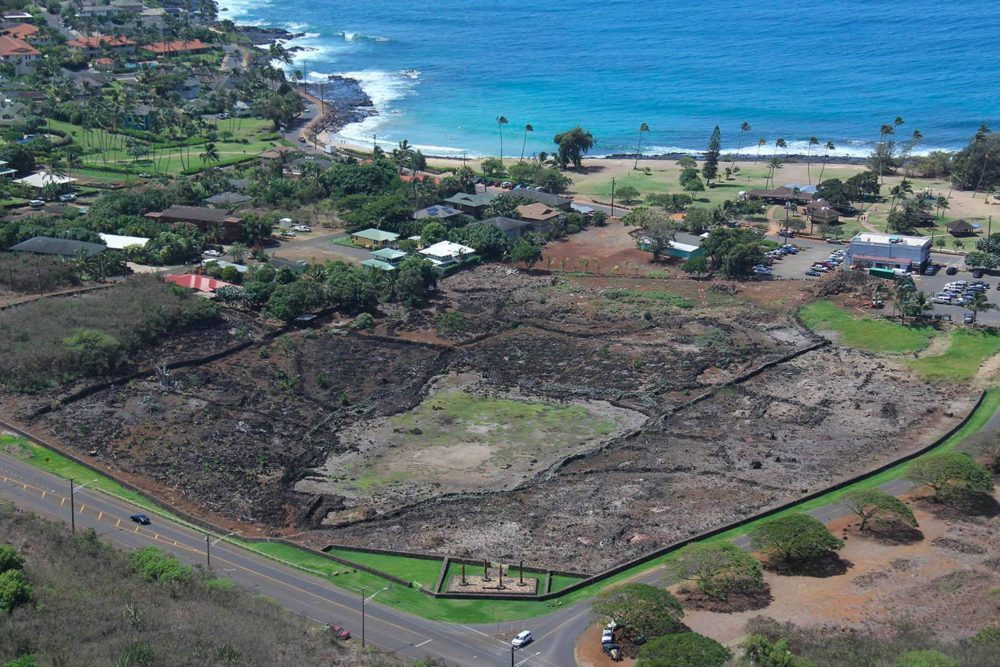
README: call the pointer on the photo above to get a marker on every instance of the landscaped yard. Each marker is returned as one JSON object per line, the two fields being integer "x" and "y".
{"x": 865, "y": 333}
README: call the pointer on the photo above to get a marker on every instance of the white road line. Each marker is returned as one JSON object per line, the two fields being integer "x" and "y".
{"x": 527, "y": 659}
{"x": 476, "y": 631}
{"x": 422, "y": 643}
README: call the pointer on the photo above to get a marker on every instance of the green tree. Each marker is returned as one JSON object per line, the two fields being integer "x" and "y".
{"x": 14, "y": 590}
{"x": 690, "y": 180}
{"x": 759, "y": 651}
{"x": 488, "y": 241}
{"x": 682, "y": 649}
{"x": 977, "y": 165}
{"x": 640, "y": 609}
{"x": 504, "y": 205}
{"x": 951, "y": 475}
{"x": 492, "y": 167}
{"x": 628, "y": 194}
{"x": 828, "y": 147}
{"x": 525, "y": 252}
{"x": 744, "y": 128}
{"x": 718, "y": 570}
{"x": 433, "y": 232}
{"x": 238, "y": 252}
{"x": 416, "y": 279}
{"x": 659, "y": 237}
{"x": 794, "y": 538}
{"x": 638, "y": 146}
{"x": 980, "y": 302}
{"x": 288, "y": 301}
{"x": 211, "y": 154}
{"x": 710, "y": 168}
{"x": 501, "y": 121}
{"x": 872, "y": 504}
{"x": 10, "y": 559}
{"x": 573, "y": 145}
{"x": 255, "y": 229}
{"x": 734, "y": 252}
{"x": 697, "y": 265}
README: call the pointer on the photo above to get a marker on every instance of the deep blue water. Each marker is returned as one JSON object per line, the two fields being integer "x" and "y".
{"x": 441, "y": 71}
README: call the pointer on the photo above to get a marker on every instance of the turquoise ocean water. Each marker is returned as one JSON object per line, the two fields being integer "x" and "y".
{"x": 441, "y": 71}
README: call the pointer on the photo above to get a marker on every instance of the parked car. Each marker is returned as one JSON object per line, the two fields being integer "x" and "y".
{"x": 613, "y": 651}
{"x": 942, "y": 298}
{"x": 141, "y": 519}
{"x": 287, "y": 234}
{"x": 36, "y": 203}
{"x": 813, "y": 274}
{"x": 67, "y": 197}
{"x": 212, "y": 253}
{"x": 339, "y": 632}
{"x": 302, "y": 228}
{"x": 522, "y": 639}
{"x": 969, "y": 318}
{"x": 608, "y": 636}
{"x": 951, "y": 270}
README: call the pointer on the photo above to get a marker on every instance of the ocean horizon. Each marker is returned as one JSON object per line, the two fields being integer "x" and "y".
{"x": 440, "y": 73}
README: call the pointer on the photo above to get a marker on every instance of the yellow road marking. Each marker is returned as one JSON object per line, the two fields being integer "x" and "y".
{"x": 81, "y": 508}
{"x": 43, "y": 494}
{"x": 118, "y": 523}
{"x": 100, "y": 515}
{"x": 62, "y": 502}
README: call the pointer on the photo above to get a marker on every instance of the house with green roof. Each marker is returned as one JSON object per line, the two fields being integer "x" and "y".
{"x": 378, "y": 265}
{"x": 474, "y": 205}
{"x": 373, "y": 238}
{"x": 385, "y": 259}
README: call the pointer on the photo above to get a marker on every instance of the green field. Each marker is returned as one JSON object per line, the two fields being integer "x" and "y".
{"x": 419, "y": 570}
{"x": 249, "y": 137}
{"x": 865, "y": 333}
{"x": 967, "y": 350}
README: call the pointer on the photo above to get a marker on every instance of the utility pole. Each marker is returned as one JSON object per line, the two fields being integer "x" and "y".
{"x": 363, "y": 591}
{"x": 512, "y": 656}
{"x": 72, "y": 512}
{"x": 612, "y": 203}
{"x": 208, "y": 552}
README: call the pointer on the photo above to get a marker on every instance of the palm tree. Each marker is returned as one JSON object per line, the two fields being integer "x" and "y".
{"x": 914, "y": 138}
{"x": 829, "y": 147}
{"x": 501, "y": 121}
{"x": 813, "y": 141}
{"x": 744, "y": 128}
{"x": 760, "y": 144}
{"x": 883, "y": 132}
{"x": 524, "y": 142}
{"x": 941, "y": 204}
{"x": 638, "y": 146}
{"x": 402, "y": 154}
{"x": 775, "y": 162}
{"x": 979, "y": 303}
{"x": 986, "y": 161}
{"x": 211, "y": 154}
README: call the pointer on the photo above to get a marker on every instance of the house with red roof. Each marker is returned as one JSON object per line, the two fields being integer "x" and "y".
{"x": 178, "y": 47}
{"x": 27, "y": 32}
{"x": 92, "y": 46}
{"x": 18, "y": 52}
{"x": 196, "y": 282}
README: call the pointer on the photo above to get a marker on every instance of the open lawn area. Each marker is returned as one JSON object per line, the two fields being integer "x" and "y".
{"x": 967, "y": 350}
{"x": 865, "y": 333}
{"x": 237, "y": 140}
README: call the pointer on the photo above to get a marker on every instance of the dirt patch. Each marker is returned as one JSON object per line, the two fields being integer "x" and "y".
{"x": 465, "y": 436}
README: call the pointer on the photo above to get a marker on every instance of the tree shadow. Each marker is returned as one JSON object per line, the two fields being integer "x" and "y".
{"x": 589, "y": 169}
{"x": 892, "y": 534}
{"x": 734, "y": 603}
{"x": 830, "y": 565}
{"x": 957, "y": 506}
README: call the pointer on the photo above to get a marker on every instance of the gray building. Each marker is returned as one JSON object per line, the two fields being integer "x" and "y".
{"x": 888, "y": 251}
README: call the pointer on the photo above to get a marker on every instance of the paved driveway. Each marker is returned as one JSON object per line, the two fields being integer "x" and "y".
{"x": 934, "y": 284}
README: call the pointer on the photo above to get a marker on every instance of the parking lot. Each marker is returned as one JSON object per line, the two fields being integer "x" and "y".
{"x": 931, "y": 285}
{"x": 810, "y": 252}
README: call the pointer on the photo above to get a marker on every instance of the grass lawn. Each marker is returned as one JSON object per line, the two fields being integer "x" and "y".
{"x": 865, "y": 333}
{"x": 967, "y": 350}
{"x": 641, "y": 297}
{"x": 420, "y": 570}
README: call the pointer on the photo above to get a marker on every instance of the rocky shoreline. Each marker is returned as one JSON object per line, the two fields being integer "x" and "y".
{"x": 261, "y": 36}
{"x": 345, "y": 100}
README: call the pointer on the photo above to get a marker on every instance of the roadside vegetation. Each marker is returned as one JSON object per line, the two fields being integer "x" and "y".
{"x": 38, "y": 274}
{"x": 77, "y": 600}
{"x": 865, "y": 333}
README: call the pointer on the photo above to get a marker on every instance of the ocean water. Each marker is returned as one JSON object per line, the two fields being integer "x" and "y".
{"x": 441, "y": 71}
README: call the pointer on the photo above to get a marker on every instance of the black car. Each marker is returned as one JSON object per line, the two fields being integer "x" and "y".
{"x": 141, "y": 519}
{"x": 951, "y": 270}
{"x": 978, "y": 273}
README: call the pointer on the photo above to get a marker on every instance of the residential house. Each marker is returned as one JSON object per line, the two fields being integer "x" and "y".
{"x": 296, "y": 266}
{"x": 780, "y": 195}
{"x": 46, "y": 245}
{"x": 513, "y": 229}
{"x": 40, "y": 180}
{"x": 385, "y": 259}
{"x": 193, "y": 281}
{"x": 437, "y": 213}
{"x": 118, "y": 242}
{"x": 446, "y": 254}
{"x": 547, "y": 198}
{"x": 6, "y": 171}
{"x": 13, "y": 111}
{"x": 189, "y": 89}
{"x": 474, "y": 205}
{"x": 140, "y": 117}
{"x": 241, "y": 268}
{"x": 92, "y": 46}
{"x": 888, "y": 251}
{"x": 538, "y": 213}
{"x": 112, "y": 8}
{"x": 227, "y": 200}
{"x": 274, "y": 159}
{"x": 206, "y": 220}
{"x": 28, "y": 33}
{"x": 18, "y": 53}
{"x": 177, "y": 47}
{"x": 300, "y": 165}
{"x": 374, "y": 239}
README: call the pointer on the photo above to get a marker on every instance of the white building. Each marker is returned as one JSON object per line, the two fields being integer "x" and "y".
{"x": 118, "y": 242}
{"x": 888, "y": 251}
{"x": 446, "y": 253}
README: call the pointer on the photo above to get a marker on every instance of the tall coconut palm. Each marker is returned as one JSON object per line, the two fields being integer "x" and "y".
{"x": 501, "y": 121}
{"x": 914, "y": 139}
{"x": 813, "y": 141}
{"x": 829, "y": 147}
{"x": 775, "y": 162}
{"x": 638, "y": 147}
{"x": 744, "y": 128}
{"x": 760, "y": 144}
{"x": 986, "y": 161}
{"x": 211, "y": 154}
{"x": 880, "y": 151}
{"x": 524, "y": 142}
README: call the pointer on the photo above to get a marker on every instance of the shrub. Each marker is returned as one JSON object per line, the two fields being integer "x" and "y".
{"x": 157, "y": 565}
{"x": 683, "y": 649}
{"x": 363, "y": 321}
{"x": 872, "y": 504}
{"x": 14, "y": 590}
{"x": 925, "y": 658}
{"x": 951, "y": 475}
{"x": 719, "y": 570}
{"x": 640, "y": 609}
{"x": 10, "y": 559}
